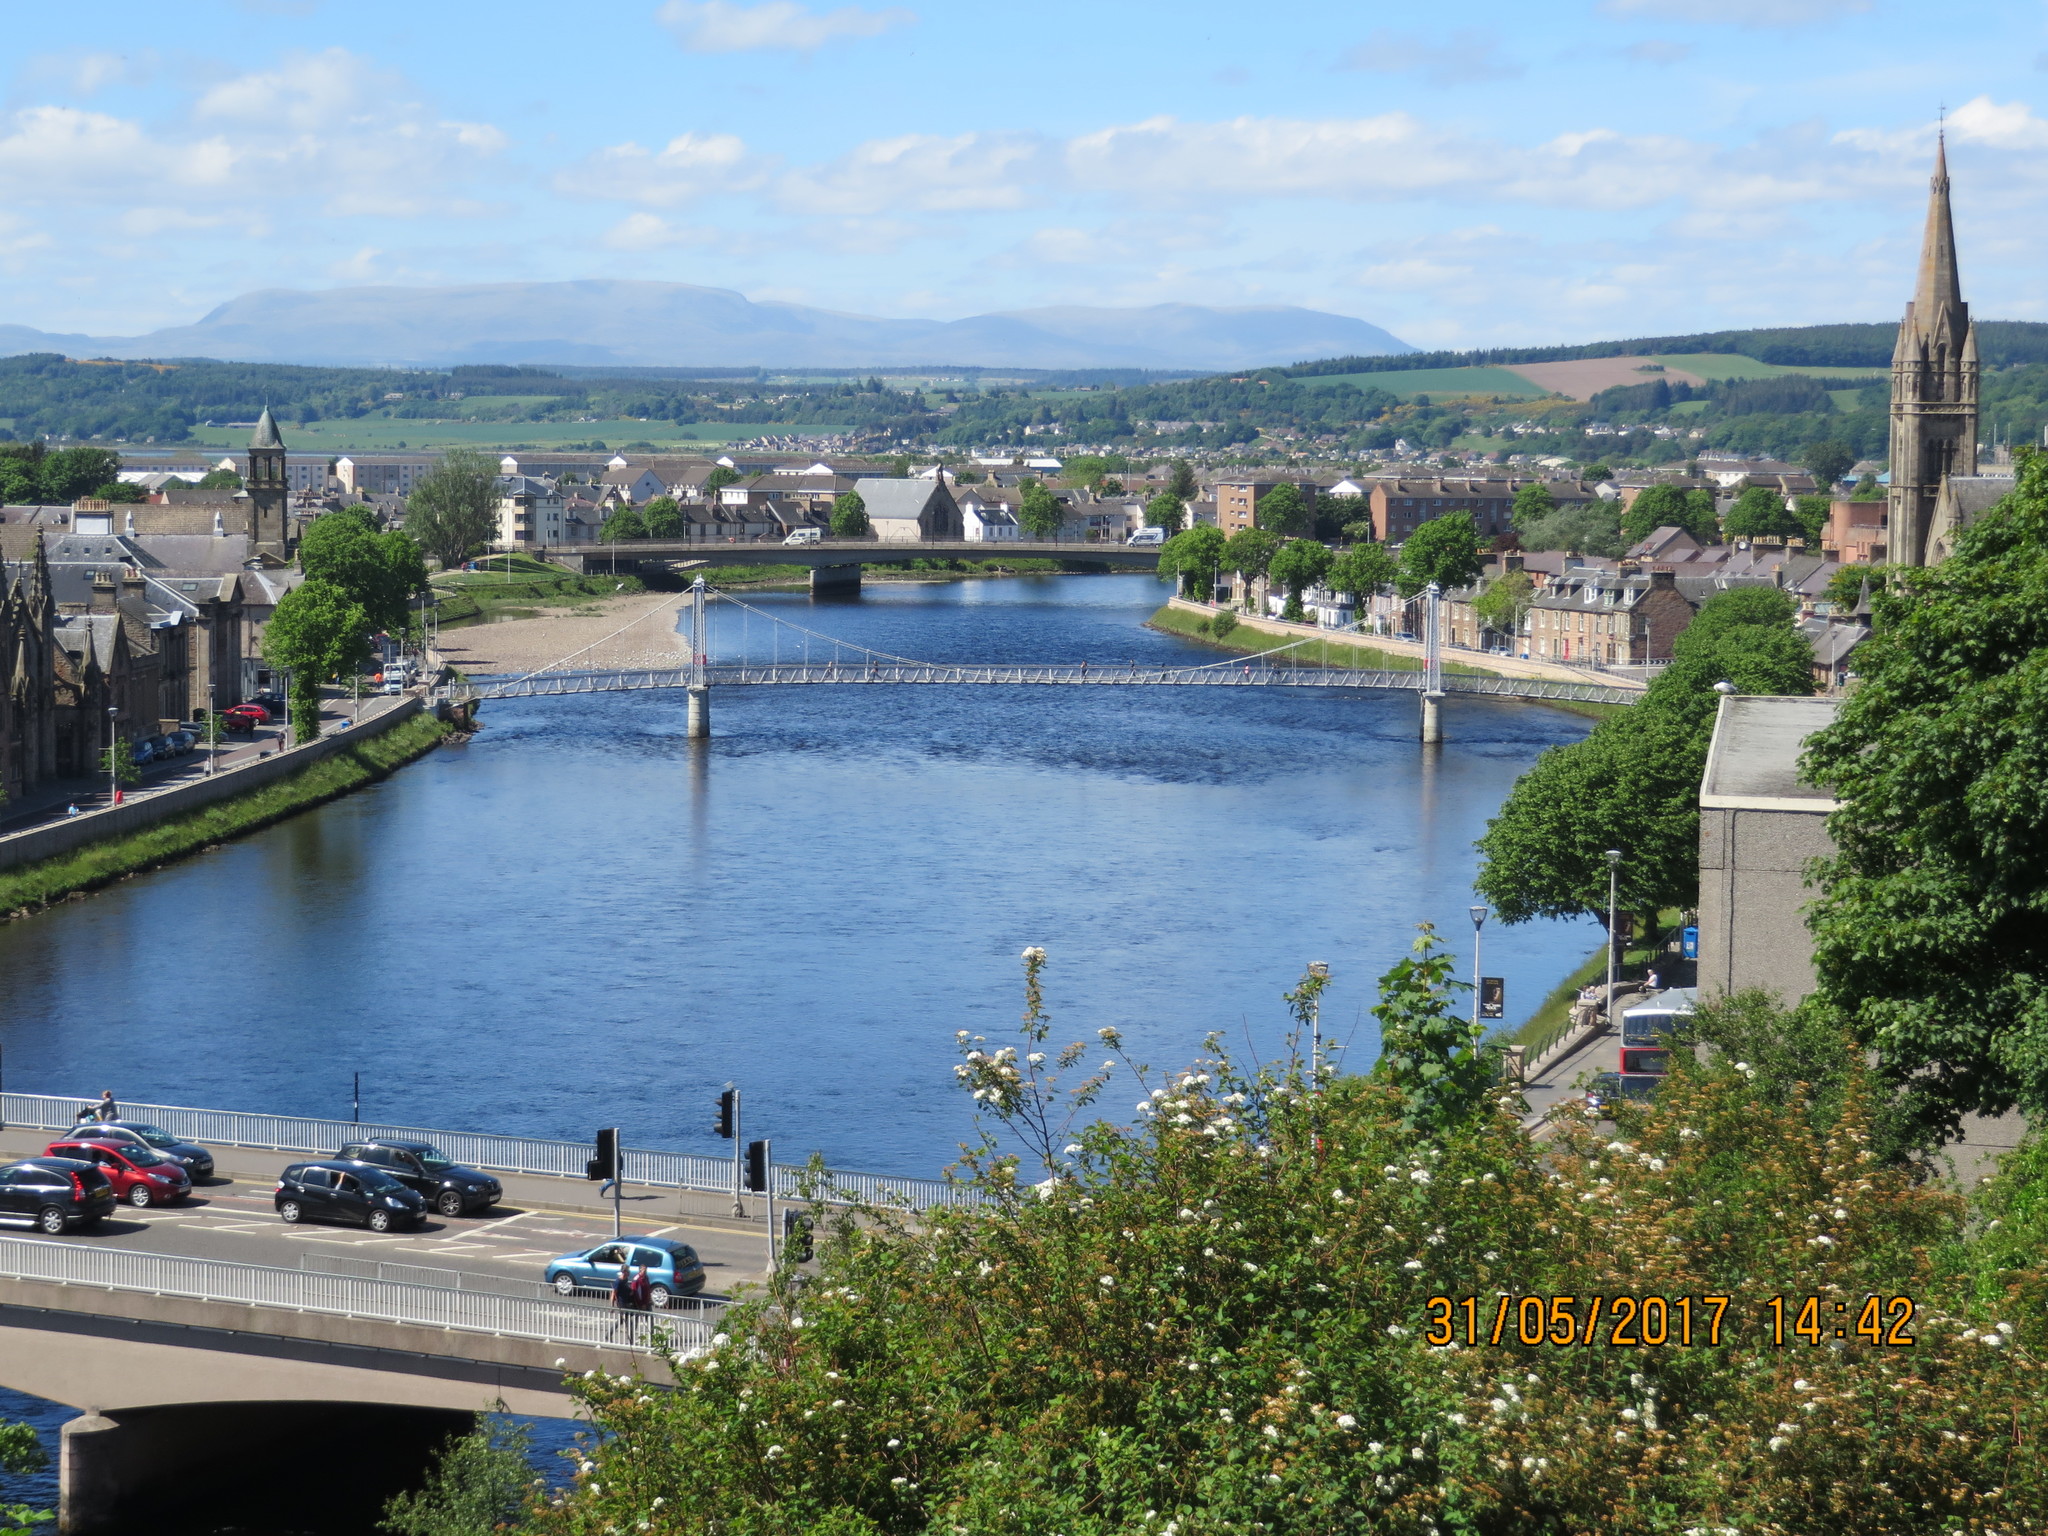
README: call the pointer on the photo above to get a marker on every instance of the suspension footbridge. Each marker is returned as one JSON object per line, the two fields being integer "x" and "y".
{"x": 798, "y": 656}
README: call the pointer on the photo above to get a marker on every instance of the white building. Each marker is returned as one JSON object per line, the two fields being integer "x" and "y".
{"x": 530, "y": 513}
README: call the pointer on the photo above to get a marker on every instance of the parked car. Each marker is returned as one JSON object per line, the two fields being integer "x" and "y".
{"x": 237, "y": 725}
{"x": 252, "y": 711}
{"x": 393, "y": 683}
{"x": 140, "y": 1175}
{"x": 181, "y": 741}
{"x": 52, "y": 1193}
{"x": 1610, "y": 1088}
{"x": 805, "y": 536}
{"x": 188, "y": 1155}
{"x": 673, "y": 1269}
{"x": 1147, "y": 536}
{"x": 347, "y": 1192}
{"x": 450, "y": 1188}
{"x": 141, "y": 752}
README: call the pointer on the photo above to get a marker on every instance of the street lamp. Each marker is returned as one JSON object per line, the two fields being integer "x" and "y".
{"x": 1478, "y": 922}
{"x": 113, "y": 763}
{"x": 1613, "y": 882}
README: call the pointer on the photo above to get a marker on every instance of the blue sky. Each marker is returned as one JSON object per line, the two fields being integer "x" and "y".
{"x": 1486, "y": 173}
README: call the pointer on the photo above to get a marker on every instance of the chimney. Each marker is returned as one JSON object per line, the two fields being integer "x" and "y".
{"x": 102, "y": 592}
{"x": 1663, "y": 576}
{"x": 132, "y": 584}
{"x": 1511, "y": 563}
{"x": 91, "y": 504}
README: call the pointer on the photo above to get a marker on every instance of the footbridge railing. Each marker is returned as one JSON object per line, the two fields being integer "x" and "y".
{"x": 479, "y": 1149}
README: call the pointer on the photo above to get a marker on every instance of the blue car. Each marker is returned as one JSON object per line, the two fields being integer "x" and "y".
{"x": 673, "y": 1269}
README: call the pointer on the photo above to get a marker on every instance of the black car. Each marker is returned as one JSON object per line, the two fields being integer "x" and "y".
{"x": 452, "y": 1189}
{"x": 190, "y": 1156}
{"x": 52, "y": 1193}
{"x": 347, "y": 1192}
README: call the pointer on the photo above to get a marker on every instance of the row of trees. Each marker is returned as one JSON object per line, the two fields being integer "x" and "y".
{"x": 1445, "y": 550}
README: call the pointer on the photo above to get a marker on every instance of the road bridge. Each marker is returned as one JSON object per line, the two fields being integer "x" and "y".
{"x": 835, "y": 564}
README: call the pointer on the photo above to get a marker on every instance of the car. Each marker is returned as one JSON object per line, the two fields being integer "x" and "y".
{"x": 805, "y": 536}
{"x": 1147, "y": 536}
{"x": 393, "y": 684}
{"x": 140, "y": 752}
{"x": 450, "y": 1188}
{"x": 251, "y": 711}
{"x": 673, "y": 1269}
{"x": 190, "y": 1156}
{"x": 52, "y": 1193}
{"x": 347, "y": 1192}
{"x": 140, "y": 1175}
{"x": 181, "y": 741}
{"x": 1609, "y": 1088}
{"x": 237, "y": 725}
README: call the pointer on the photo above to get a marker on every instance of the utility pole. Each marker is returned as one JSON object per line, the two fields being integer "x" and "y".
{"x": 1613, "y": 884}
{"x": 113, "y": 762}
{"x": 1478, "y": 922}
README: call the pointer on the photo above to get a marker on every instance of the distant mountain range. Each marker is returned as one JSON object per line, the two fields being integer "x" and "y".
{"x": 604, "y": 322}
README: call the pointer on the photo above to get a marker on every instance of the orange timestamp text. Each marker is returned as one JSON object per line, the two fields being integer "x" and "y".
{"x": 1629, "y": 1322}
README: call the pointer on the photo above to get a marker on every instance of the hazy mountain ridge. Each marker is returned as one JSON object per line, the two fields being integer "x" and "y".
{"x": 603, "y": 321}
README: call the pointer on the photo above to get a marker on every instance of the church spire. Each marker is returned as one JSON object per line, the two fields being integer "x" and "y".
{"x": 266, "y": 434}
{"x": 1939, "y": 292}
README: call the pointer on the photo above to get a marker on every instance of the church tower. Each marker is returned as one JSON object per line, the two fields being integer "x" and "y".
{"x": 269, "y": 492}
{"x": 1934, "y": 385}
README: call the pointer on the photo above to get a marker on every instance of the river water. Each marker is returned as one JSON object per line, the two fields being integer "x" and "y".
{"x": 582, "y": 918}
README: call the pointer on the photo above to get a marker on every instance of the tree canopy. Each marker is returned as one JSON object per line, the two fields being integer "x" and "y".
{"x": 1586, "y": 527}
{"x": 1285, "y": 511}
{"x": 453, "y": 509}
{"x": 1248, "y": 552}
{"x": 850, "y": 516}
{"x": 1760, "y": 512}
{"x": 662, "y": 517}
{"x": 1505, "y": 602}
{"x": 1668, "y": 506}
{"x": 622, "y": 524}
{"x": 1040, "y": 513}
{"x": 1827, "y": 461}
{"x": 1444, "y": 550}
{"x": 1533, "y": 503}
{"x": 1364, "y": 571}
{"x": 1929, "y": 932}
{"x": 1165, "y": 511}
{"x": 1194, "y": 555}
{"x": 381, "y": 573}
{"x": 316, "y": 632}
{"x": 1298, "y": 565}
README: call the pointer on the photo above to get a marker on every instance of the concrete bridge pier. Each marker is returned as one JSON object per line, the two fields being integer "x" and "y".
{"x": 835, "y": 580}
{"x": 700, "y": 711}
{"x": 1432, "y": 719}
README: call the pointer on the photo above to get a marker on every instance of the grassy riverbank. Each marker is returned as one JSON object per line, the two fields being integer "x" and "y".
{"x": 33, "y": 886}
{"x": 528, "y": 588}
{"x": 1551, "y": 1012}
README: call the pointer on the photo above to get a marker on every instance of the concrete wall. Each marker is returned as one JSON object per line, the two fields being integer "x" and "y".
{"x": 1753, "y": 897}
{"x": 74, "y": 832}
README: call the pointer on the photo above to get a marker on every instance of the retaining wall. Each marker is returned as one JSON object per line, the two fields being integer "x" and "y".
{"x": 74, "y": 832}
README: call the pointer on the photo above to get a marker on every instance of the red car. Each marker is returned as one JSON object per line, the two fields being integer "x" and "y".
{"x": 139, "y": 1176}
{"x": 255, "y": 712}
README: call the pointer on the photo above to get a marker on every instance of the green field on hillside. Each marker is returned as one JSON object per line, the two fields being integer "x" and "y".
{"x": 1728, "y": 365}
{"x": 372, "y": 433}
{"x": 1446, "y": 382}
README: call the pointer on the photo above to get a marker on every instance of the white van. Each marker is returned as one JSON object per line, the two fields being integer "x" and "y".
{"x": 805, "y": 536}
{"x": 1147, "y": 536}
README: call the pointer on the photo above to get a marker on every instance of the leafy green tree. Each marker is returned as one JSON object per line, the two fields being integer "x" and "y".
{"x": 725, "y": 475}
{"x": 118, "y": 763}
{"x": 480, "y": 1483}
{"x": 21, "y": 1454}
{"x": 1598, "y": 472}
{"x": 1444, "y": 550}
{"x": 1437, "y": 1059}
{"x": 453, "y": 509}
{"x": 663, "y": 519}
{"x": 220, "y": 480}
{"x": 1533, "y": 503}
{"x": 20, "y": 484}
{"x": 1285, "y": 511}
{"x": 1588, "y": 527}
{"x": 1040, "y": 513}
{"x": 1363, "y": 571}
{"x": 315, "y": 633}
{"x": 1657, "y": 506}
{"x": 1338, "y": 516}
{"x": 121, "y": 491}
{"x": 1248, "y": 552}
{"x": 1181, "y": 483}
{"x": 1298, "y": 565}
{"x": 1867, "y": 489}
{"x": 1928, "y": 931}
{"x": 850, "y": 516}
{"x": 1703, "y": 520}
{"x": 623, "y": 524}
{"x": 1505, "y": 602}
{"x": 1845, "y": 587}
{"x": 1827, "y": 461}
{"x": 380, "y": 572}
{"x": 1811, "y": 514}
{"x": 1760, "y": 512}
{"x": 70, "y": 473}
{"x": 1194, "y": 555}
{"x": 1634, "y": 783}
{"x": 1165, "y": 511}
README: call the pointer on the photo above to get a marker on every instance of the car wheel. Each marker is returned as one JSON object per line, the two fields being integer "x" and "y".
{"x": 291, "y": 1211}
{"x": 380, "y": 1221}
{"x": 449, "y": 1203}
{"x": 657, "y": 1297}
{"x": 138, "y": 1195}
{"x": 565, "y": 1285}
{"x": 50, "y": 1219}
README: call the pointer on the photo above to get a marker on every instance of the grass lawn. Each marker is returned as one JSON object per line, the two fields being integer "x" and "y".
{"x": 375, "y": 433}
{"x": 1438, "y": 381}
{"x": 1731, "y": 365}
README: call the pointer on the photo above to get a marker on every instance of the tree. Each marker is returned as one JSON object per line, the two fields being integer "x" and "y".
{"x": 71, "y": 473}
{"x": 121, "y": 491}
{"x": 478, "y": 1486}
{"x": 1248, "y": 552}
{"x": 1444, "y": 550}
{"x": 1533, "y": 503}
{"x": 1928, "y": 932}
{"x": 21, "y": 1454}
{"x": 1596, "y": 472}
{"x": 725, "y": 475}
{"x": 1165, "y": 511}
{"x": 1846, "y": 586}
{"x": 379, "y": 572}
{"x": 1811, "y": 514}
{"x": 1285, "y": 511}
{"x": 1591, "y": 527}
{"x": 1702, "y": 519}
{"x": 1364, "y": 571}
{"x": 1867, "y": 489}
{"x": 1194, "y": 555}
{"x": 1827, "y": 461}
{"x": 1338, "y": 516}
{"x": 850, "y": 516}
{"x": 315, "y": 633}
{"x": 623, "y": 524}
{"x": 1435, "y": 1057}
{"x": 1182, "y": 481}
{"x": 453, "y": 509}
{"x": 1656, "y": 506}
{"x": 1040, "y": 515}
{"x": 220, "y": 480}
{"x": 1634, "y": 783}
{"x": 663, "y": 519}
{"x": 1505, "y": 602}
{"x": 1760, "y": 512}
{"x": 1298, "y": 565}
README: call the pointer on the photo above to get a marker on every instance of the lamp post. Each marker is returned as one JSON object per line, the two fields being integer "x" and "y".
{"x": 1613, "y": 883}
{"x": 113, "y": 763}
{"x": 212, "y": 733}
{"x": 1478, "y": 922}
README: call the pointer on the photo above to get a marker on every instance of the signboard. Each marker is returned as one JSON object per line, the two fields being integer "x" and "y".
{"x": 1493, "y": 997}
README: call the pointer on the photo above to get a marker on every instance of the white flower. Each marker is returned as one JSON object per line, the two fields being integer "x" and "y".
{"x": 774, "y": 1451}
{"x": 2006, "y": 1329}
{"x": 1272, "y": 1432}
{"x": 1033, "y": 953}
{"x": 893, "y": 1444}
{"x": 1224, "y": 1415}
{"x": 1840, "y": 1214}
{"x": 1995, "y": 1340}
{"x": 1272, "y": 1477}
{"x": 1035, "y": 1057}
{"x": 560, "y": 1363}
{"x": 1071, "y": 1149}
{"x": 1419, "y": 1176}
{"x": 959, "y": 1034}
{"x": 1656, "y": 1165}
{"x": 1413, "y": 1264}
{"x": 1374, "y": 1446}
{"x": 898, "y": 1482}
{"x": 1106, "y": 1281}
{"x": 1490, "y": 1256}
{"x": 838, "y": 1402}
{"x": 1822, "y": 1241}
{"x": 1415, "y": 1453}
{"x": 1345, "y": 1421}
{"x": 1779, "y": 1442}
{"x": 1802, "y": 1385}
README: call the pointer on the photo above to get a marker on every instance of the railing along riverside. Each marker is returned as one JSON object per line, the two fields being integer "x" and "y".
{"x": 504, "y": 1154}
{"x": 384, "y": 1301}
{"x": 702, "y": 1309}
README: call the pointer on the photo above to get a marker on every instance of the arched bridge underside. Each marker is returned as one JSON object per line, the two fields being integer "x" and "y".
{"x": 1077, "y": 674}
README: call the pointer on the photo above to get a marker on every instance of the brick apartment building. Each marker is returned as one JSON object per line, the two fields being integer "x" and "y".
{"x": 1609, "y": 618}
{"x": 1400, "y": 506}
{"x": 1237, "y": 501}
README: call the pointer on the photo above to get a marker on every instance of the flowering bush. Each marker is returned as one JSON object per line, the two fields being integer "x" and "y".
{"x": 1215, "y": 1319}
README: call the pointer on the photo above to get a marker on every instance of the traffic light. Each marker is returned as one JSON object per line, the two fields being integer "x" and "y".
{"x": 728, "y": 1106}
{"x": 757, "y": 1166}
{"x": 796, "y": 1236}
{"x": 606, "y": 1164}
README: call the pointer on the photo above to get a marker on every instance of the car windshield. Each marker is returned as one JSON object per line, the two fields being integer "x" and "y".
{"x": 154, "y": 1136}
{"x": 431, "y": 1160}
{"x": 373, "y": 1179}
{"x": 142, "y": 1157}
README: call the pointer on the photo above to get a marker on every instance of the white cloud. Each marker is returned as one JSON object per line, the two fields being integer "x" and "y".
{"x": 719, "y": 26}
{"x": 689, "y": 166}
{"x": 964, "y": 172}
{"x": 1469, "y": 56}
{"x": 651, "y": 232}
{"x": 1741, "y": 13}
{"x": 1657, "y": 50}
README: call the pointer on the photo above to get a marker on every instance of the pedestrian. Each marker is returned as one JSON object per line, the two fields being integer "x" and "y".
{"x": 643, "y": 1291}
{"x": 622, "y": 1289}
{"x": 71, "y": 809}
{"x": 85, "y": 1115}
{"x": 107, "y": 1109}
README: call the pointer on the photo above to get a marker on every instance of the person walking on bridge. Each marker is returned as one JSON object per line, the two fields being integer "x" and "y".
{"x": 106, "y": 1109}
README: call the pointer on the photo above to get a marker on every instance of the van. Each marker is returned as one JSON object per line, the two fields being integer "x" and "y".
{"x": 805, "y": 536}
{"x": 1147, "y": 536}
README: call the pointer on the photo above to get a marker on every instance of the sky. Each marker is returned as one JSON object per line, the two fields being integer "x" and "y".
{"x": 1484, "y": 174}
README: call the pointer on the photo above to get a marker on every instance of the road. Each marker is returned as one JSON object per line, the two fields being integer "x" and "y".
{"x": 232, "y": 1218}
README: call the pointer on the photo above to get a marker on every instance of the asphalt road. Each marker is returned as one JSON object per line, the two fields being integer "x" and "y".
{"x": 232, "y": 1218}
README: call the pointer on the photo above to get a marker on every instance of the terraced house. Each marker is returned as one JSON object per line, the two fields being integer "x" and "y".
{"x": 1609, "y": 619}
{"x": 1399, "y": 507}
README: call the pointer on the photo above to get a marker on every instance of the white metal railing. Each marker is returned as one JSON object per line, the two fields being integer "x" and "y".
{"x": 384, "y": 1301}
{"x": 503, "y": 1154}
